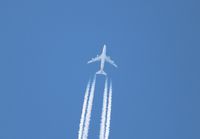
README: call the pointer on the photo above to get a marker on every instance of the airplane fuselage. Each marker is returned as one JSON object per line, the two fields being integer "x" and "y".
{"x": 103, "y": 58}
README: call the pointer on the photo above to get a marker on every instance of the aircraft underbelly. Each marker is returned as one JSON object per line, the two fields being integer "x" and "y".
{"x": 102, "y": 64}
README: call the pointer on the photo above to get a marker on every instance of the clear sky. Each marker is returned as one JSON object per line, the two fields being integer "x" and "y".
{"x": 44, "y": 48}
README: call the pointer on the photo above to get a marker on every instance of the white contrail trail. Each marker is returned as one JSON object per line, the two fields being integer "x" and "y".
{"x": 80, "y": 133}
{"x": 89, "y": 110}
{"x": 108, "y": 113}
{"x": 103, "y": 114}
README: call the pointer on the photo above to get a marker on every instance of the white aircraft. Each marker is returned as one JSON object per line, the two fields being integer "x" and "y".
{"x": 103, "y": 57}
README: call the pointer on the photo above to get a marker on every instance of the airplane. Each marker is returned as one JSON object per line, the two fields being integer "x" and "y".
{"x": 103, "y": 58}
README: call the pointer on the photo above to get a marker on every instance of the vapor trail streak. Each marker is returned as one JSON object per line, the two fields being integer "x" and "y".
{"x": 108, "y": 113}
{"x": 103, "y": 114}
{"x": 80, "y": 133}
{"x": 89, "y": 110}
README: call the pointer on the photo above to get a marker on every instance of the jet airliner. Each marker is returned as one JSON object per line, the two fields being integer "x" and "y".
{"x": 102, "y": 58}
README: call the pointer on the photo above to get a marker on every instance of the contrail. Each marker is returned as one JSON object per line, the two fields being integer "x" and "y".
{"x": 80, "y": 133}
{"x": 108, "y": 113}
{"x": 89, "y": 110}
{"x": 103, "y": 114}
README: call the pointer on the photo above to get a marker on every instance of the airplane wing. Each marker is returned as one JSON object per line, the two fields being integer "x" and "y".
{"x": 97, "y": 58}
{"x": 108, "y": 59}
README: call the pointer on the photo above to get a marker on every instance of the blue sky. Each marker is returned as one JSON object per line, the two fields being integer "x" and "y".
{"x": 44, "y": 47}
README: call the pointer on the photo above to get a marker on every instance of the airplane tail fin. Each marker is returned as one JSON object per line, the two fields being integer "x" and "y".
{"x": 101, "y": 72}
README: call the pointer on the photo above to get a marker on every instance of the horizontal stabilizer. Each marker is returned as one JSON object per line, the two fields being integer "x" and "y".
{"x": 101, "y": 72}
